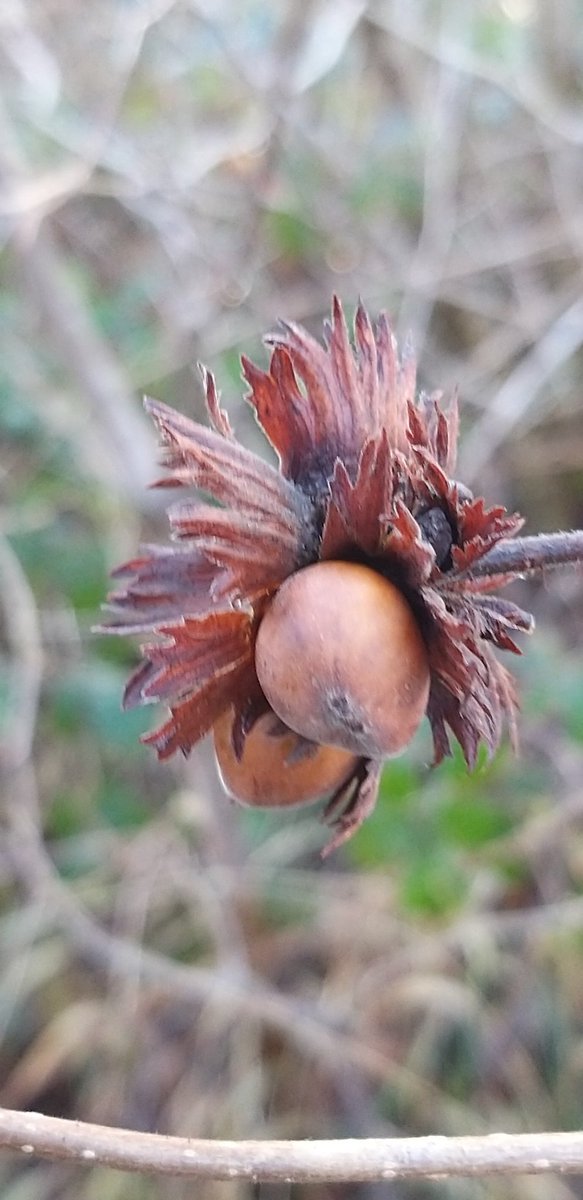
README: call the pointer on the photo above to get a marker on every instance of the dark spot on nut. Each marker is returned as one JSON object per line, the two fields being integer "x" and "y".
{"x": 345, "y": 713}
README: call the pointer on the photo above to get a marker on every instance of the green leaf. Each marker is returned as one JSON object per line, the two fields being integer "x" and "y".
{"x": 291, "y": 235}
{"x": 91, "y": 699}
{"x": 392, "y": 830}
{"x": 64, "y": 559}
{"x": 434, "y": 884}
{"x": 121, "y": 806}
{"x": 474, "y": 821}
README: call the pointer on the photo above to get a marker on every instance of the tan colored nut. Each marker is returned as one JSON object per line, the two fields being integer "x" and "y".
{"x": 342, "y": 661}
{"x": 264, "y": 779}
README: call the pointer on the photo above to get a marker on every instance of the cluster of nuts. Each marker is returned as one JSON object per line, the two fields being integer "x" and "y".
{"x": 342, "y": 662}
{"x": 313, "y": 615}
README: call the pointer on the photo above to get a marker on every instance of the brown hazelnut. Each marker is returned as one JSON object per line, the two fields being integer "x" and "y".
{"x": 341, "y": 659}
{"x": 268, "y": 775}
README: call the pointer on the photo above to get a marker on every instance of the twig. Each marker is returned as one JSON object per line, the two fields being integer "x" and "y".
{"x": 23, "y": 629}
{"x": 531, "y": 554}
{"x": 349, "y": 1160}
{"x": 87, "y": 354}
{"x": 522, "y": 388}
{"x": 445, "y": 104}
{"x": 521, "y": 89}
{"x": 91, "y": 361}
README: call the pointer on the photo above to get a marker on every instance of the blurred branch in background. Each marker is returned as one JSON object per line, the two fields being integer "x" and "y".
{"x": 61, "y": 308}
{"x": 175, "y": 176}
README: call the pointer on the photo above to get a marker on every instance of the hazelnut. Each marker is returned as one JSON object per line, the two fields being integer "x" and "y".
{"x": 342, "y": 661}
{"x": 268, "y": 775}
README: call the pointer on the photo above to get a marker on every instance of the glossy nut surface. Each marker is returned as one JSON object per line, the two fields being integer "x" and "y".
{"x": 264, "y": 779}
{"x": 341, "y": 659}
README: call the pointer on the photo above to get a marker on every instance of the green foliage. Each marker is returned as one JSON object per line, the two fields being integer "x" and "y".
{"x": 66, "y": 559}
{"x": 89, "y": 701}
{"x": 431, "y": 826}
{"x": 291, "y": 235}
{"x": 554, "y": 694}
{"x": 394, "y": 189}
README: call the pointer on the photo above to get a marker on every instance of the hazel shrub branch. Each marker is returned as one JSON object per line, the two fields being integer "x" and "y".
{"x": 528, "y": 555}
{"x": 341, "y": 1161}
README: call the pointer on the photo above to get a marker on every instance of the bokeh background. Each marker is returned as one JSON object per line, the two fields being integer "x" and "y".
{"x": 175, "y": 175}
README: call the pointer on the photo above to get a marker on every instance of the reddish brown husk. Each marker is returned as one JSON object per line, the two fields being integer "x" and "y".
{"x": 365, "y": 475}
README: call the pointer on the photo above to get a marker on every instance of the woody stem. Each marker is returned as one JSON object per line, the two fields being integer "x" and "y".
{"x": 526, "y": 556}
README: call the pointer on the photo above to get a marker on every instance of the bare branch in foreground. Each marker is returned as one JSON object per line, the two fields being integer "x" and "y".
{"x": 349, "y": 1160}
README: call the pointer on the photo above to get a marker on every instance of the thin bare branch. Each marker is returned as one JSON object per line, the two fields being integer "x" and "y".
{"x": 521, "y": 390}
{"x": 531, "y": 554}
{"x": 21, "y": 618}
{"x": 349, "y": 1160}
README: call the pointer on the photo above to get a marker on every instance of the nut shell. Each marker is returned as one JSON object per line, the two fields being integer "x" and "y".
{"x": 268, "y": 776}
{"x": 342, "y": 661}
